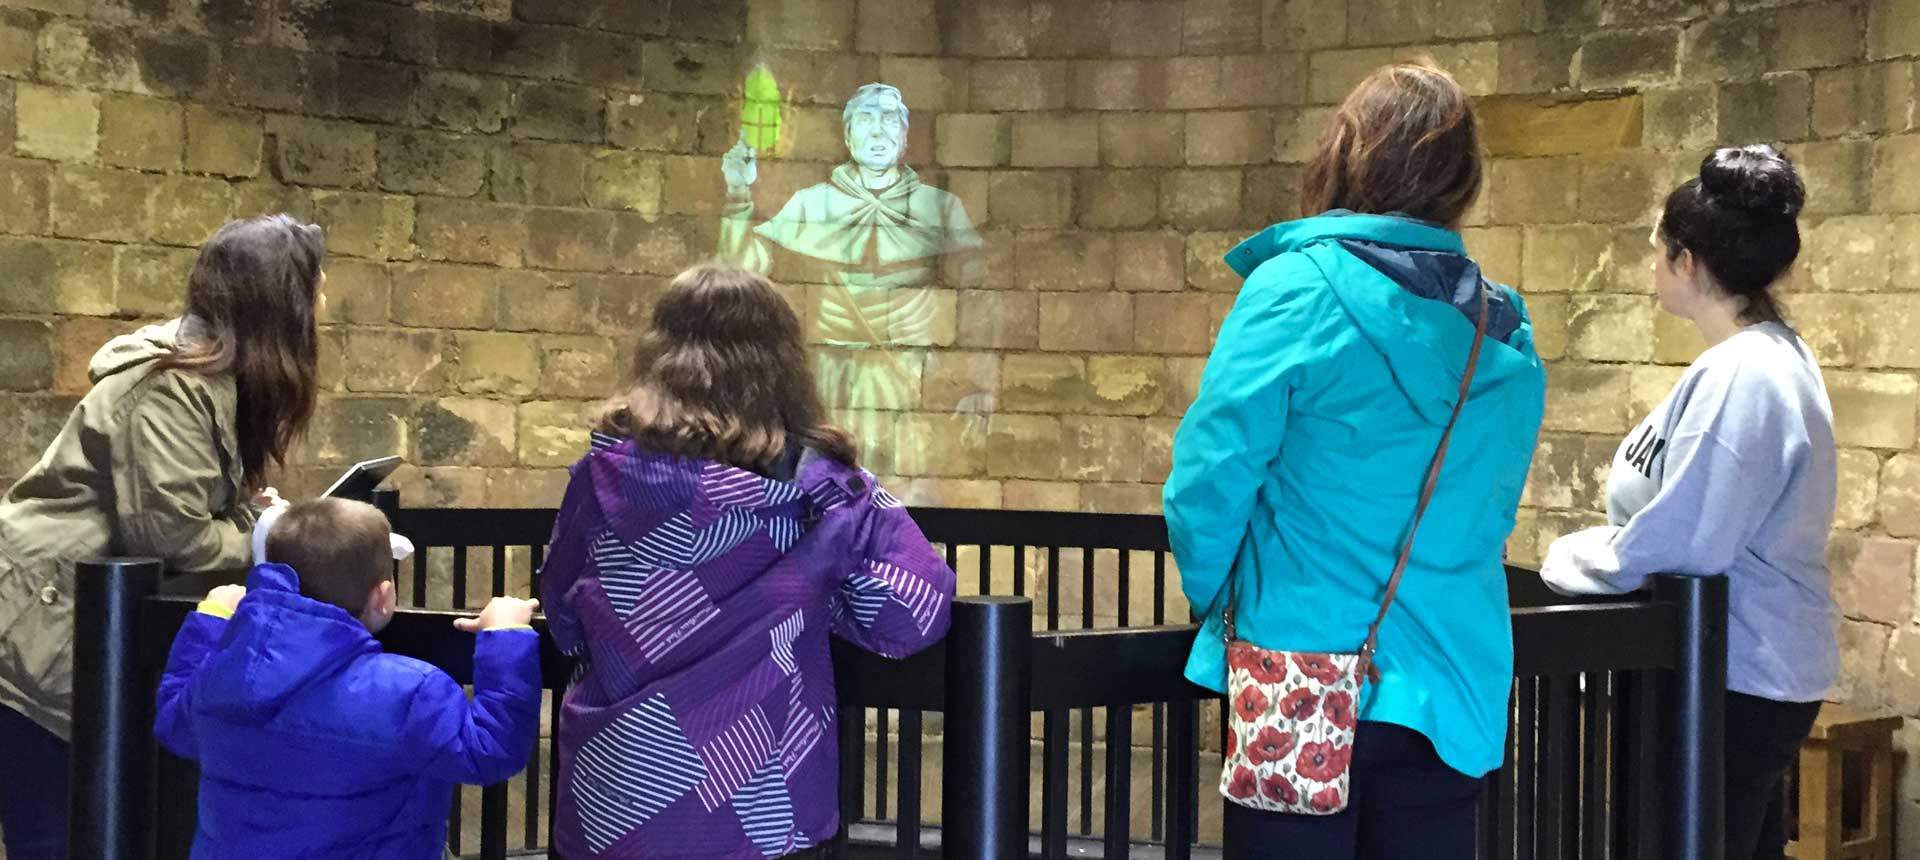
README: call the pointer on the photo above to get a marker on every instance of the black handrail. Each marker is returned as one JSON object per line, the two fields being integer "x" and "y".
{"x": 1613, "y": 751}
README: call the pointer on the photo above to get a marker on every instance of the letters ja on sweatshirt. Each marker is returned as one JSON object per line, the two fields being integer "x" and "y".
{"x": 1735, "y": 472}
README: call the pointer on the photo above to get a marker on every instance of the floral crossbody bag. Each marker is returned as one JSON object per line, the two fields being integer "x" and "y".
{"x": 1293, "y": 713}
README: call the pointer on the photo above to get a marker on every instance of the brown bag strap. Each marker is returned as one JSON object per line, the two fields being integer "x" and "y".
{"x": 1365, "y": 668}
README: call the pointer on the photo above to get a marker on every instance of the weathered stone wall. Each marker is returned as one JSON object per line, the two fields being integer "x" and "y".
{"x": 508, "y": 184}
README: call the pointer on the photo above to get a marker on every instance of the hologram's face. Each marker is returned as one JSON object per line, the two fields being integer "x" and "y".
{"x": 876, "y": 132}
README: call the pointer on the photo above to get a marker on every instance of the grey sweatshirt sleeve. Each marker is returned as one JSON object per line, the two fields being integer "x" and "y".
{"x": 1729, "y": 455}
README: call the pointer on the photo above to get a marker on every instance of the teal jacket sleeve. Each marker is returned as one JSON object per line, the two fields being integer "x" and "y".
{"x": 1233, "y": 431}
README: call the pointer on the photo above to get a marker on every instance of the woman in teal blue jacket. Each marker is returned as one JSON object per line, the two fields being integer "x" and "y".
{"x": 1297, "y": 469}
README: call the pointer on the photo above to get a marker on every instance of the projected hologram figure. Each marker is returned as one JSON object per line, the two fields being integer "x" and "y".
{"x": 874, "y": 234}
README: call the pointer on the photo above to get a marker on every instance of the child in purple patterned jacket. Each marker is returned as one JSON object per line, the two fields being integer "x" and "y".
{"x": 715, "y": 534}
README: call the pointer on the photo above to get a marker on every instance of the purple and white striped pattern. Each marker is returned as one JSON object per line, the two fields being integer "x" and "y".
{"x": 732, "y": 758}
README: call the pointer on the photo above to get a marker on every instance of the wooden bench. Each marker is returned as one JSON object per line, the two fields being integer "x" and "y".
{"x": 1825, "y": 776}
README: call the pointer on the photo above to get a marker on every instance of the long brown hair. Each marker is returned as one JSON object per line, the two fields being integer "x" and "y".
{"x": 723, "y": 374}
{"x": 251, "y": 300}
{"x": 1405, "y": 141}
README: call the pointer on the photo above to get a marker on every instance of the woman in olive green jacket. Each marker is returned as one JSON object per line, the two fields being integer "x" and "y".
{"x": 167, "y": 457}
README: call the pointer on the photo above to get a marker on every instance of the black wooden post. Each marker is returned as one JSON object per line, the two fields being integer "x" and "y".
{"x": 988, "y": 696}
{"x": 112, "y": 765}
{"x": 1697, "y": 819}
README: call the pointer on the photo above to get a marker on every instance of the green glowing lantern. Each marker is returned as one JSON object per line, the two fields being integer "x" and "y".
{"x": 760, "y": 110}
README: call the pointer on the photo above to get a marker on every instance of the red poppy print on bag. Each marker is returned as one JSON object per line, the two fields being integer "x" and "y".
{"x": 1322, "y": 762}
{"x": 1251, "y": 704}
{"x": 1290, "y": 741}
{"x": 1339, "y": 710}
{"x": 1271, "y": 744}
{"x": 1317, "y": 667}
{"x": 1279, "y": 790}
{"x": 1244, "y": 784}
{"x": 1299, "y": 705}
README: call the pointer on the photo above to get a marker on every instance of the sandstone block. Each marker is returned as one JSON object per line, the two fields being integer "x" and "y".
{"x": 1893, "y": 28}
{"x": 1549, "y": 313}
{"x": 1859, "y": 489}
{"x": 1064, "y": 261}
{"x": 1056, "y": 140}
{"x": 1074, "y": 322}
{"x": 1041, "y": 495}
{"x": 660, "y": 246}
{"x": 358, "y": 292}
{"x": 536, "y": 301}
{"x": 152, "y": 282}
{"x": 316, "y": 152}
{"x": 581, "y": 366}
{"x": 1521, "y": 127}
{"x": 1873, "y": 410}
{"x": 1896, "y": 174}
{"x": 1206, "y": 266}
{"x": 569, "y": 239}
{"x": 435, "y": 296}
{"x": 1774, "y": 108}
{"x": 1851, "y": 253}
{"x": 95, "y": 203}
{"x": 1497, "y": 250}
{"x": 692, "y": 185}
{"x": 1120, "y": 85}
{"x": 1569, "y": 471}
{"x": 993, "y": 319}
{"x": 1622, "y": 187}
{"x": 1625, "y": 59}
{"x": 1676, "y": 341}
{"x": 463, "y": 231}
{"x": 1836, "y": 174}
{"x": 1297, "y": 131}
{"x": 1906, "y": 253}
{"x": 1305, "y": 25}
{"x": 186, "y": 210}
{"x": 1173, "y": 323}
{"x": 990, "y": 28}
{"x": 1145, "y": 28}
{"x": 548, "y": 174}
{"x": 1588, "y": 399}
{"x": 425, "y": 162}
{"x": 1183, "y": 383}
{"x": 1533, "y": 190}
{"x": 1221, "y": 26}
{"x": 18, "y": 32}
{"x": 374, "y": 91}
{"x": 1196, "y": 199}
{"x": 1833, "y": 325}
{"x": 497, "y": 363}
{"x": 1051, "y": 384}
{"x": 394, "y": 360}
{"x": 622, "y": 304}
{"x": 223, "y": 142}
{"x": 1818, "y": 36}
{"x": 973, "y": 140}
{"x": 1196, "y": 82}
{"x": 462, "y": 102}
{"x": 377, "y": 226}
{"x": 1332, "y": 74}
{"x": 1142, "y": 140}
{"x": 625, "y": 180}
{"x": 960, "y": 382}
{"x": 348, "y": 429}
{"x": 554, "y": 433}
{"x": 1117, "y": 199}
{"x": 943, "y": 446}
{"x": 554, "y": 111}
{"x": 1899, "y": 503}
{"x": 1152, "y": 261}
{"x": 140, "y": 132}
{"x": 1682, "y": 118}
{"x": 1537, "y": 63}
{"x": 55, "y": 123}
{"x": 23, "y": 195}
{"x": 1018, "y": 85}
{"x": 665, "y": 122}
{"x": 1100, "y": 449}
{"x": 897, "y": 27}
{"x": 1126, "y": 385}
{"x": 27, "y": 362}
{"x": 1566, "y": 259}
{"x": 1031, "y": 199}
{"x": 1873, "y": 578}
{"x": 1610, "y": 328}
{"x": 1220, "y": 138}
{"x": 457, "y": 431}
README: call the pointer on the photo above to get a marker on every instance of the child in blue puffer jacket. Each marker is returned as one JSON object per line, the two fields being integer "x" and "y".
{"x": 314, "y": 743}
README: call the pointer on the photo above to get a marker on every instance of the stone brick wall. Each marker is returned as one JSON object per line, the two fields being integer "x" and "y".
{"x": 507, "y": 185}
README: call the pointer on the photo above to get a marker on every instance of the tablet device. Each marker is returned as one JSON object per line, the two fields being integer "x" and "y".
{"x": 359, "y": 482}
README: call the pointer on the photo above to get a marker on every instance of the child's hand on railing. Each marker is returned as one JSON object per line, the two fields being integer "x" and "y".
{"x": 501, "y": 613}
{"x": 225, "y": 598}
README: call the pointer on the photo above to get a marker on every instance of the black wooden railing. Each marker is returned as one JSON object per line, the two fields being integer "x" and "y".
{"x": 1612, "y": 749}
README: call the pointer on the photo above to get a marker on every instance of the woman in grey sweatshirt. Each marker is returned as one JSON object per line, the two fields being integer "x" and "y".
{"x": 1734, "y": 473}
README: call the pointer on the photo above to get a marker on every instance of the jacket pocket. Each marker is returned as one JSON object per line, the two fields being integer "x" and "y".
{"x": 36, "y": 631}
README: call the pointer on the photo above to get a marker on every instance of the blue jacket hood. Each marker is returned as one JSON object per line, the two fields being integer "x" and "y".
{"x": 277, "y": 644}
{"x": 1414, "y": 296}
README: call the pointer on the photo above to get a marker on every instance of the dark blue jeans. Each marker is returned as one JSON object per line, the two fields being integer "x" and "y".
{"x": 1406, "y": 804}
{"x": 33, "y": 789}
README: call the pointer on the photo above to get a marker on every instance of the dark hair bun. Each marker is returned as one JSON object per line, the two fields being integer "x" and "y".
{"x": 1755, "y": 178}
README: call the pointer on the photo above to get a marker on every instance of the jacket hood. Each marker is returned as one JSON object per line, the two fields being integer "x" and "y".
{"x": 1414, "y": 294}
{"x": 277, "y": 644}
{"x": 132, "y": 350}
